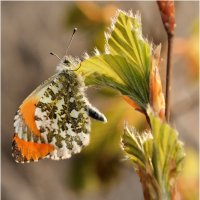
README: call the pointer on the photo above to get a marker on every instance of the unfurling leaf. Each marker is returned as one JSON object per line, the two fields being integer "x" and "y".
{"x": 157, "y": 100}
{"x": 157, "y": 156}
{"x": 126, "y": 64}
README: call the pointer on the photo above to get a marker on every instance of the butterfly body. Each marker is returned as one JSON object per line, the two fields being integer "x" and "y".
{"x": 53, "y": 122}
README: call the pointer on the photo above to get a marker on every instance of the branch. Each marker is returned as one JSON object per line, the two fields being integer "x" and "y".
{"x": 167, "y": 12}
{"x": 168, "y": 77}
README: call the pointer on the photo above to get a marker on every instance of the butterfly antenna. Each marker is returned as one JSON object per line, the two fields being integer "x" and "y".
{"x": 55, "y": 55}
{"x": 74, "y": 31}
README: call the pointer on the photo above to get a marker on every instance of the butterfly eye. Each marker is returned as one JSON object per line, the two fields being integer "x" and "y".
{"x": 66, "y": 62}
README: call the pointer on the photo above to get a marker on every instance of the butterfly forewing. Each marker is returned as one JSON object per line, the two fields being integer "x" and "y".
{"x": 28, "y": 144}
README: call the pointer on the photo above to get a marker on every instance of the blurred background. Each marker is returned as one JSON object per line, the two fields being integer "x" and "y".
{"x": 30, "y": 30}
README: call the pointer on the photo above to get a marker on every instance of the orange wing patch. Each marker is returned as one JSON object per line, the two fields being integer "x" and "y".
{"x": 27, "y": 109}
{"x": 29, "y": 151}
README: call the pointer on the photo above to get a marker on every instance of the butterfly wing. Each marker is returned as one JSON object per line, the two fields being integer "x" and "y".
{"x": 28, "y": 144}
{"x": 61, "y": 116}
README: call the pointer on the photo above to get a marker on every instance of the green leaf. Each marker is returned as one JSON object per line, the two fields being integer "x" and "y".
{"x": 116, "y": 72}
{"x": 167, "y": 146}
{"x": 126, "y": 40}
{"x": 137, "y": 146}
{"x": 161, "y": 154}
{"x": 126, "y": 65}
{"x": 132, "y": 144}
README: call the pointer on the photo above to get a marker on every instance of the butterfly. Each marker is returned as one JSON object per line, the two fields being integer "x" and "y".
{"x": 54, "y": 120}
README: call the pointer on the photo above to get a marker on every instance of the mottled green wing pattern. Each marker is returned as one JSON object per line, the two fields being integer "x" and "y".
{"x": 61, "y": 115}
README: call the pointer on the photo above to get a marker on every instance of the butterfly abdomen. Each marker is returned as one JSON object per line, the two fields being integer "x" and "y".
{"x": 95, "y": 114}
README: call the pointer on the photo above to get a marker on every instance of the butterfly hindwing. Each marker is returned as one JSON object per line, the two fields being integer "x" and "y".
{"x": 61, "y": 115}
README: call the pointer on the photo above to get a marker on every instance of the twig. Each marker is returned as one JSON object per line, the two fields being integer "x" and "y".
{"x": 168, "y": 77}
{"x": 167, "y": 12}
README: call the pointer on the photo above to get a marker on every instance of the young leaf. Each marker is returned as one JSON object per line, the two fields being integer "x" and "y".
{"x": 126, "y": 64}
{"x": 129, "y": 65}
{"x": 157, "y": 156}
{"x": 157, "y": 100}
{"x": 116, "y": 72}
{"x": 125, "y": 39}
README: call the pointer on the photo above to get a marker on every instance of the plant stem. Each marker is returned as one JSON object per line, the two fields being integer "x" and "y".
{"x": 168, "y": 76}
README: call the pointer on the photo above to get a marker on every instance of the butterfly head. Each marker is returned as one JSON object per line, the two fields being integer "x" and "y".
{"x": 68, "y": 63}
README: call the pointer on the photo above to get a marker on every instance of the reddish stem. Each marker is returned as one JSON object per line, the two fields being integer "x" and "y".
{"x": 168, "y": 77}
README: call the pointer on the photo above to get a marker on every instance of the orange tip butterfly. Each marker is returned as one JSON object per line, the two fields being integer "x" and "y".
{"x": 53, "y": 121}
